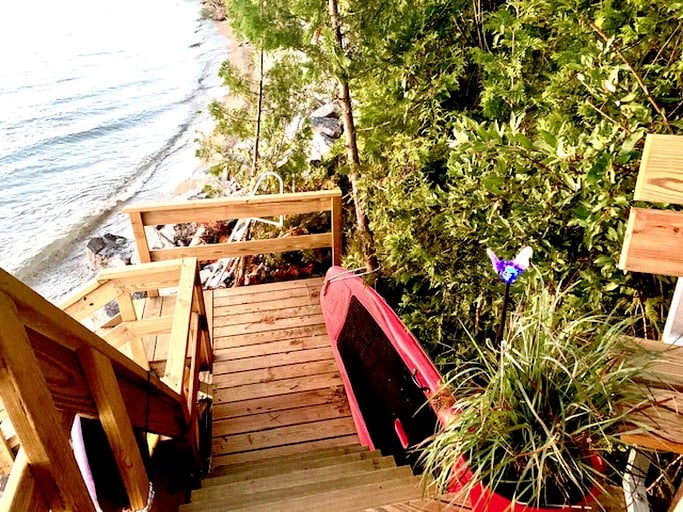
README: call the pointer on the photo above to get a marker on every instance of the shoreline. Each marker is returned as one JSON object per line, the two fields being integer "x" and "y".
{"x": 184, "y": 180}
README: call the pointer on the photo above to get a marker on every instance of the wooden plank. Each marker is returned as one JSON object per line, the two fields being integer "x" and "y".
{"x": 118, "y": 336}
{"x": 453, "y": 502}
{"x": 205, "y": 354}
{"x": 246, "y": 248}
{"x": 116, "y": 424}
{"x": 270, "y": 316}
{"x": 653, "y": 243}
{"x": 271, "y": 325}
{"x": 271, "y": 304}
{"x": 325, "y": 481}
{"x": 92, "y": 297}
{"x": 275, "y": 404}
{"x": 208, "y": 210}
{"x": 152, "y": 309}
{"x": 264, "y": 375}
{"x": 292, "y": 462}
{"x": 129, "y": 316}
{"x": 224, "y": 302}
{"x": 336, "y": 214}
{"x": 177, "y": 348}
{"x": 208, "y": 302}
{"x": 283, "y": 436}
{"x": 278, "y": 451}
{"x": 278, "y": 387}
{"x": 660, "y": 178}
{"x": 293, "y": 334}
{"x": 147, "y": 277}
{"x": 193, "y": 352}
{"x": 148, "y": 326}
{"x": 35, "y": 418}
{"x": 667, "y": 368}
{"x": 22, "y": 493}
{"x": 270, "y": 360}
{"x": 285, "y": 479}
{"x": 229, "y": 296}
{"x": 354, "y": 498}
{"x": 139, "y": 232}
{"x": 228, "y": 352}
{"x": 126, "y": 306}
{"x": 284, "y": 418}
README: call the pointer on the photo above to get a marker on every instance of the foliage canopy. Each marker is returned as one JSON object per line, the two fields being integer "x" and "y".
{"x": 493, "y": 123}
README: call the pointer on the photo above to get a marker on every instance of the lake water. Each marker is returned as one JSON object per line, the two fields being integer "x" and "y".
{"x": 100, "y": 105}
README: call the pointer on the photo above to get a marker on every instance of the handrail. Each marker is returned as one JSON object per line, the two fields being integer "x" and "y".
{"x": 210, "y": 210}
{"x": 53, "y": 368}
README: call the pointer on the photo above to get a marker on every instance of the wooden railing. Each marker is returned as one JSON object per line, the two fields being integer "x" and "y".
{"x": 53, "y": 368}
{"x": 211, "y": 210}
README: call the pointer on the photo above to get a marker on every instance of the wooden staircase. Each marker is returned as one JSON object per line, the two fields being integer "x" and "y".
{"x": 283, "y": 435}
{"x": 349, "y": 478}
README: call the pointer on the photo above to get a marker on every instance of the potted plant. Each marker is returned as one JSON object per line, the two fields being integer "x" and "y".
{"x": 539, "y": 411}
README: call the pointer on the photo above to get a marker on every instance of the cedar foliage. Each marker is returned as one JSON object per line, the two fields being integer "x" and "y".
{"x": 493, "y": 123}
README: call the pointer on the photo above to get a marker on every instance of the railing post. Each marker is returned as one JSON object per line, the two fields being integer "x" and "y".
{"x": 141, "y": 241}
{"x": 336, "y": 214}
{"x": 177, "y": 344}
{"x": 35, "y": 418}
{"x": 116, "y": 424}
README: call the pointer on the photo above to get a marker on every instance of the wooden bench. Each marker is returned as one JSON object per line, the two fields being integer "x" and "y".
{"x": 654, "y": 244}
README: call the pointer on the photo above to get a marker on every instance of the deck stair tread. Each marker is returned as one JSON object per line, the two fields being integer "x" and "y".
{"x": 289, "y": 479}
{"x": 301, "y": 485}
{"x": 300, "y": 461}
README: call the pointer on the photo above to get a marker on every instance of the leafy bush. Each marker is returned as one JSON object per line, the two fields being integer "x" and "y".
{"x": 529, "y": 133}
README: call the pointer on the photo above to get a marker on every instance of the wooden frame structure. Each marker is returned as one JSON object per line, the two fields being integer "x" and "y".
{"x": 53, "y": 368}
{"x": 211, "y": 210}
{"x": 654, "y": 244}
{"x": 186, "y": 326}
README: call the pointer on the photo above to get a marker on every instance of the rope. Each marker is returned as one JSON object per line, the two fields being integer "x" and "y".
{"x": 150, "y": 499}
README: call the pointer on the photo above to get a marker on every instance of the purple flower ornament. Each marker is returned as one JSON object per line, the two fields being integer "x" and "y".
{"x": 509, "y": 270}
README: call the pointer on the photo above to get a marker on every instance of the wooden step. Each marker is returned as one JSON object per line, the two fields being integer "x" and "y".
{"x": 219, "y": 489}
{"x": 278, "y": 387}
{"x": 306, "y": 460}
{"x": 346, "y": 500}
{"x": 453, "y": 502}
{"x": 278, "y": 403}
{"x": 239, "y": 347}
{"x": 268, "y": 368}
{"x": 239, "y": 339}
{"x": 297, "y": 416}
{"x": 285, "y": 449}
{"x": 346, "y": 493}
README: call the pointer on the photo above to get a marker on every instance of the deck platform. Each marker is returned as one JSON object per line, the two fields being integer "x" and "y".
{"x": 276, "y": 389}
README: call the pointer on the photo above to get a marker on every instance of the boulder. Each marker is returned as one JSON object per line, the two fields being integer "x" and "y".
{"x": 326, "y": 127}
{"x": 109, "y": 251}
{"x": 329, "y": 126}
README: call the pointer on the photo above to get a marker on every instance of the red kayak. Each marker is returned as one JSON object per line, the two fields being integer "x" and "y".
{"x": 387, "y": 375}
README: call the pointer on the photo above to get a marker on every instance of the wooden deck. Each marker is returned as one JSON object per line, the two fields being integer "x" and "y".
{"x": 276, "y": 388}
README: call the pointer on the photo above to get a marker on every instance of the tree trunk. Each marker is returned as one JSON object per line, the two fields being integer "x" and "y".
{"x": 362, "y": 228}
{"x": 257, "y": 137}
